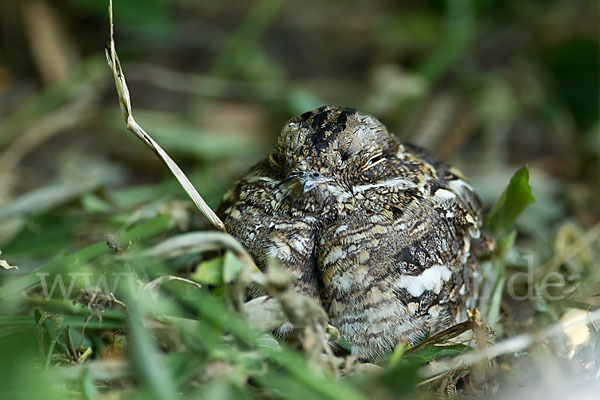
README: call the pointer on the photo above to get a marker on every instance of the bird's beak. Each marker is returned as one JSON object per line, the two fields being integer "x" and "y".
{"x": 310, "y": 181}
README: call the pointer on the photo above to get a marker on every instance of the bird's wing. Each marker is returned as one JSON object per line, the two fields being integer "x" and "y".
{"x": 400, "y": 266}
{"x": 252, "y": 212}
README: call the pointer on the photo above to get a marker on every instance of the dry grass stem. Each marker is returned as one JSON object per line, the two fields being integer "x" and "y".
{"x": 193, "y": 242}
{"x": 133, "y": 127}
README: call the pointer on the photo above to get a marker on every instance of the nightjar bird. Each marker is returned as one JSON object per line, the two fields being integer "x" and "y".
{"x": 378, "y": 231}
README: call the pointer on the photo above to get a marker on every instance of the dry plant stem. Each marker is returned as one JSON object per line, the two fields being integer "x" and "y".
{"x": 201, "y": 241}
{"x": 133, "y": 127}
{"x": 442, "y": 336}
{"x": 510, "y": 345}
{"x": 482, "y": 371}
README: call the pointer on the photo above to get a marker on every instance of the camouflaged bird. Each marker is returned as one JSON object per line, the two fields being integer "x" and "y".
{"x": 378, "y": 231}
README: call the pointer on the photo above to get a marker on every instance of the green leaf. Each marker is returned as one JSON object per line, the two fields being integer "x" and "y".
{"x": 218, "y": 270}
{"x": 147, "y": 361}
{"x": 431, "y": 353}
{"x": 231, "y": 266}
{"x": 400, "y": 379}
{"x": 511, "y": 203}
{"x": 87, "y": 385}
{"x": 209, "y": 272}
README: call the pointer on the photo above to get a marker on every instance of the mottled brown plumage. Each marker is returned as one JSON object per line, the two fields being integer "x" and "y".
{"x": 378, "y": 231}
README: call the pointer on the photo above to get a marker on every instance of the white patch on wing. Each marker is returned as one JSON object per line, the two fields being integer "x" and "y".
{"x": 399, "y": 183}
{"x": 428, "y": 280}
{"x": 444, "y": 194}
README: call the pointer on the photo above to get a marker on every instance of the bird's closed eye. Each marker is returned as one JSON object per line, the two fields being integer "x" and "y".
{"x": 373, "y": 161}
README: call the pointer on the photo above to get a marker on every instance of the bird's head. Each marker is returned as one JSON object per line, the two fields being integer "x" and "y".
{"x": 330, "y": 149}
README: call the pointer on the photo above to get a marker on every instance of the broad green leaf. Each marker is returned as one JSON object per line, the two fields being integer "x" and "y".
{"x": 231, "y": 266}
{"x": 511, "y": 203}
{"x": 218, "y": 270}
{"x": 209, "y": 272}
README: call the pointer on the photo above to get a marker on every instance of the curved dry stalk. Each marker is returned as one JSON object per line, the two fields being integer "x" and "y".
{"x": 192, "y": 242}
{"x": 133, "y": 127}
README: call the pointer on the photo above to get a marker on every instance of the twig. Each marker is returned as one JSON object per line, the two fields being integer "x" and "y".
{"x": 133, "y": 127}
{"x": 510, "y": 345}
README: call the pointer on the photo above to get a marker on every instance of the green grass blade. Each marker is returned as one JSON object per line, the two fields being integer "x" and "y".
{"x": 64, "y": 263}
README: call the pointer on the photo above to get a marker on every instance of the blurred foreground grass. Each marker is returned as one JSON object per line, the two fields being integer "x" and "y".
{"x": 487, "y": 85}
